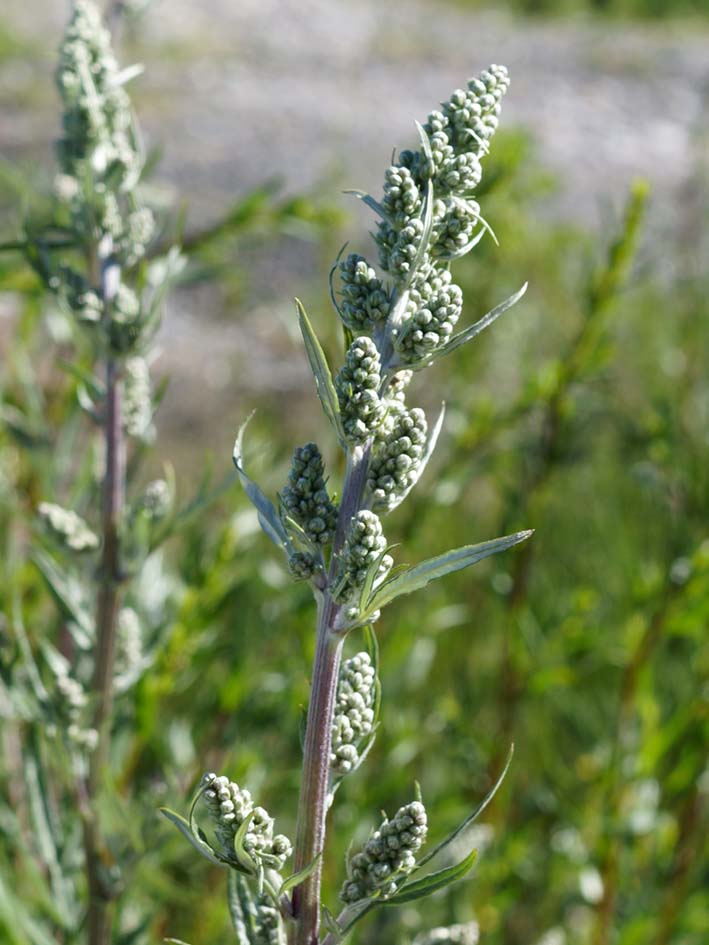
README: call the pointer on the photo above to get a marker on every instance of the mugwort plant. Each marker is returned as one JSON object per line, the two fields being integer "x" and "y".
{"x": 398, "y": 318}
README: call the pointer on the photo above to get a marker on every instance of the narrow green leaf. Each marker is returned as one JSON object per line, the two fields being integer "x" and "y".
{"x": 369, "y": 200}
{"x": 471, "y": 817}
{"x": 297, "y": 878}
{"x": 473, "y": 330}
{"x": 242, "y": 908}
{"x": 422, "y": 249}
{"x": 419, "y": 576}
{"x": 183, "y": 826}
{"x": 321, "y": 372}
{"x": 433, "y": 882}
{"x": 267, "y": 515}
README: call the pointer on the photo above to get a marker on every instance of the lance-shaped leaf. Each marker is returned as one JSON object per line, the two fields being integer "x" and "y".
{"x": 420, "y": 888}
{"x": 321, "y": 372}
{"x": 473, "y": 330}
{"x": 369, "y": 200}
{"x": 242, "y": 909}
{"x": 295, "y": 879}
{"x": 267, "y": 515}
{"x": 187, "y": 831}
{"x": 470, "y": 818}
{"x": 422, "y": 574}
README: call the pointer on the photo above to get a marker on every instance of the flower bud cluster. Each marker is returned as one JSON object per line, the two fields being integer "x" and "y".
{"x": 472, "y": 113}
{"x": 357, "y": 385}
{"x": 305, "y": 498}
{"x": 72, "y": 702}
{"x": 455, "y": 222}
{"x": 229, "y": 806}
{"x": 137, "y": 399}
{"x": 364, "y": 545}
{"x": 398, "y": 247}
{"x": 303, "y": 565}
{"x": 457, "y": 136}
{"x": 365, "y": 301}
{"x": 129, "y": 640}
{"x": 67, "y": 527}
{"x": 157, "y": 500}
{"x": 402, "y": 198}
{"x": 267, "y": 928}
{"x": 353, "y": 720}
{"x": 98, "y": 151}
{"x": 467, "y": 933}
{"x": 97, "y": 119}
{"x": 125, "y": 323}
{"x": 388, "y": 855}
{"x": 434, "y": 307}
{"x": 396, "y": 458}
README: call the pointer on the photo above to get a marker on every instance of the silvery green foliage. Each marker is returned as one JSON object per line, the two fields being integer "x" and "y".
{"x": 305, "y": 498}
{"x": 353, "y": 722}
{"x": 365, "y": 548}
{"x": 67, "y": 527}
{"x": 231, "y": 808}
{"x": 388, "y": 856}
{"x": 467, "y": 933}
{"x": 357, "y": 386}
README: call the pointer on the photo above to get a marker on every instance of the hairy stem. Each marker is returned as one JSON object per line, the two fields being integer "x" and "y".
{"x": 312, "y": 805}
{"x": 108, "y": 603}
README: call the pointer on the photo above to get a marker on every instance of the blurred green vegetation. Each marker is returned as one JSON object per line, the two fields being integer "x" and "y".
{"x": 583, "y": 414}
{"x": 623, "y": 9}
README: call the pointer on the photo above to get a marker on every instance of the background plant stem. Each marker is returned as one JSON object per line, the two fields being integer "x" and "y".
{"x": 108, "y": 603}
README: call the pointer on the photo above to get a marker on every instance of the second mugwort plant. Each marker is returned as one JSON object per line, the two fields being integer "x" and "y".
{"x": 396, "y": 321}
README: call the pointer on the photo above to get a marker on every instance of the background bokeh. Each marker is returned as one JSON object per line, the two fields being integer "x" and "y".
{"x": 584, "y": 414}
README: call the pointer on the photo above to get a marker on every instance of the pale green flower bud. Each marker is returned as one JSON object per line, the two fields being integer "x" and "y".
{"x": 365, "y": 301}
{"x": 305, "y": 497}
{"x": 137, "y": 399}
{"x": 434, "y": 307}
{"x": 388, "y": 856}
{"x": 229, "y": 806}
{"x": 364, "y": 545}
{"x": 396, "y": 460}
{"x": 67, "y": 527}
{"x": 353, "y": 720}
{"x": 357, "y": 385}
{"x": 467, "y": 933}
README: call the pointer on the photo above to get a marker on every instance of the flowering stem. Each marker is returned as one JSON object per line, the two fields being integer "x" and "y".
{"x": 312, "y": 805}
